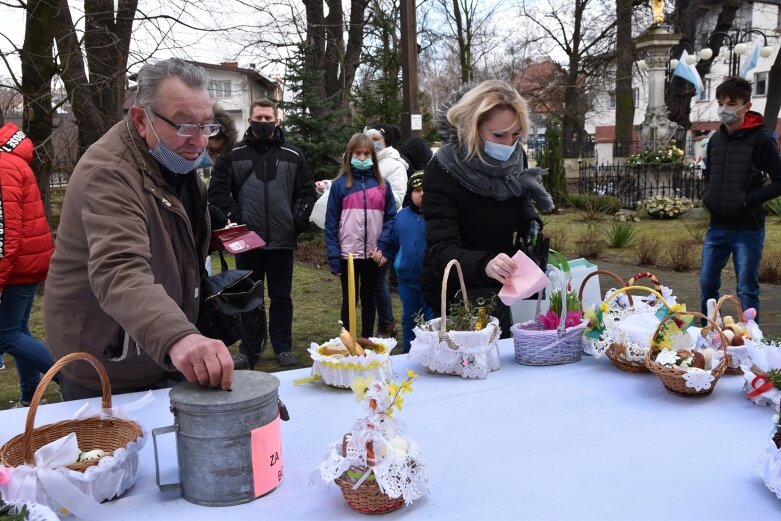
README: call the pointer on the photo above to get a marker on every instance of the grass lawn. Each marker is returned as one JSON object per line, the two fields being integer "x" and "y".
{"x": 317, "y": 293}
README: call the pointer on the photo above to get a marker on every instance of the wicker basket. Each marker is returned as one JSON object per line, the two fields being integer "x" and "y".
{"x": 733, "y": 366}
{"x": 367, "y": 498}
{"x": 588, "y": 346}
{"x": 536, "y": 345}
{"x": 672, "y": 377}
{"x": 469, "y": 354}
{"x": 108, "y": 434}
{"x": 616, "y": 351}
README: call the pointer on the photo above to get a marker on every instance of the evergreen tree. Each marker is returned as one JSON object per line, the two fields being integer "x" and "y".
{"x": 314, "y": 124}
{"x": 378, "y": 97}
{"x": 551, "y": 159}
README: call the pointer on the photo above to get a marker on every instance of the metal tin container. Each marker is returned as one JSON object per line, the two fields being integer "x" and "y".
{"x": 227, "y": 442}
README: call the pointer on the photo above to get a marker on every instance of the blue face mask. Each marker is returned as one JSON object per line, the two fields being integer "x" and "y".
{"x": 206, "y": 162}
{"x": 173, "y": 161}
{"x": 378, "y": 145}
{"x": 498, "y": 151}
{"x": 361, "y": 164}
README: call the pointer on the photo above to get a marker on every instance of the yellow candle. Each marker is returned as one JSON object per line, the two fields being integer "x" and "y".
{"x": 351, "y": 326}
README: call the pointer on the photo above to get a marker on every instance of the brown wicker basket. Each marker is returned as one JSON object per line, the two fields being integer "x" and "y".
{"x": 366, "y": 498}
{"x": 107, "y": 434}
{"x": 615, "y": 351}
{"x": 672, "y": 377}
{"x": 716, "y": 311}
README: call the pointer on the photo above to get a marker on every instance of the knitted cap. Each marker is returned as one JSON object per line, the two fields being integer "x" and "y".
{"x": 416, "y": 180}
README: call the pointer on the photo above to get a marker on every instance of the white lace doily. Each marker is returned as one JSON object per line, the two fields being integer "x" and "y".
{"x": 476, "y": 356}
{"x": 698, "y": 379}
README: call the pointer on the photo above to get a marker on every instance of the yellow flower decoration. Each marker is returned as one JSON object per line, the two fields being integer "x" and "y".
{"x": 359, "y": 386}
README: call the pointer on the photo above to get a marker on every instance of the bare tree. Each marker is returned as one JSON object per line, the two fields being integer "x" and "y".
{"x": 584, "y": 31}
{"x": 625, "y": 57}
{"x": 468, "y": 31}
{"x": 687, "y": 16}
{"x": 773, "y": 102}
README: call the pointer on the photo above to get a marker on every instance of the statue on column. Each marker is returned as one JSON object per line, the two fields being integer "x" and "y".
{"x": 657, "y": 9}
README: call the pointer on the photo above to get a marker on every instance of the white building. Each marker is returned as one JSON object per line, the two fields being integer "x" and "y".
{"x": 764, "y": 16}
{"x": 235, "y": 88}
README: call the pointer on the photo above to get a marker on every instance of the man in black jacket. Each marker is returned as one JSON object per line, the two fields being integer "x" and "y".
{"x": 742, "y": 156}
{"x": 266, "y": 184}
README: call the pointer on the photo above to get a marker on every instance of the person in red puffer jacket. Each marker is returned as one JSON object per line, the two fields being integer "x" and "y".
{"x": 25, "y": 249}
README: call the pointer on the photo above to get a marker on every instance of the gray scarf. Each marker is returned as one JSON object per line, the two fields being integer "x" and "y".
{"x": 499, "y": 180}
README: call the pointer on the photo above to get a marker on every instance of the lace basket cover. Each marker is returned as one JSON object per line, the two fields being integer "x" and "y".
{"x": 398, "y": 464}
{"x": 62, "y": 489}
{"x": 473, "y": 354}
{"x": 629, "y": 326}
{"x": 340, "y": 372}
{"x": 768, "y": 466}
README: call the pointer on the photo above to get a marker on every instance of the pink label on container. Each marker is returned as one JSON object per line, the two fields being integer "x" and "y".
{"x": 266, "y": 448}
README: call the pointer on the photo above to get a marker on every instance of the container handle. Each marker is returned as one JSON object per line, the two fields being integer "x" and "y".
{"x": 168, "y": 486}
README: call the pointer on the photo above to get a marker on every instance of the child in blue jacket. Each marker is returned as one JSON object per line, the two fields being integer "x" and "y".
{"x": 358, "y": 220}
{"x": 408, "y": 243}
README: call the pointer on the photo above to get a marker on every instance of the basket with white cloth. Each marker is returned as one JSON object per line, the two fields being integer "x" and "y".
{"x": 536, "y": 345}
{"x": 762, "y": 372}
{"x": 52, "y": 464}
{"x": 768, "y": 464}
{"x": 739, "y": 330}
{"x": 469, "y": 354}
{"x": 622, "y": 330}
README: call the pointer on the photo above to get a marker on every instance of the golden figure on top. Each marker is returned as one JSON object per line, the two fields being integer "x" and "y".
{"x": 657, "y": 8}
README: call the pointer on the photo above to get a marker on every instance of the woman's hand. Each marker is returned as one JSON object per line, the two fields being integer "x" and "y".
{"x": 378, "y": 257}
{"x": 500, "y": 268}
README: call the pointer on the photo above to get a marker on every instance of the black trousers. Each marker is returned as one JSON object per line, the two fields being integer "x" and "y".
{"x": 366, "y": 273}
{"x": 275, "y": 268}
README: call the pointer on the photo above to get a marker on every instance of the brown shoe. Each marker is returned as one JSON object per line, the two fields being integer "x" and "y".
{"x": 388, "y": 332}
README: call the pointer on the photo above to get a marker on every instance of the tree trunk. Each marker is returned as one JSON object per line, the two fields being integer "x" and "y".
{"x": 572, "y": 128}
{"x": 625, "y": 106}
{"x": 773, "y": 102}
{"x": 38, "y": 68}
{"x": 679, "y": 92}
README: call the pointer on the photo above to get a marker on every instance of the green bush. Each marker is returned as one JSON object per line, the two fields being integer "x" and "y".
{"x": 620, "y": 234}
{"x": 666, "y": 207}
{"x": 773, "y": 206}
{"x": 607, "y": 203}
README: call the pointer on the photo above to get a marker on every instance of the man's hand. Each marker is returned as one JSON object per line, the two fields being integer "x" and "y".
{"x": 203, "y": 360}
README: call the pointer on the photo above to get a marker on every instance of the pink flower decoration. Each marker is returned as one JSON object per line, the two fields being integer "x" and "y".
{"x": 550, "y": 320}
{"x": 5, "y": 475}
{"x": 573, "y": 319}
{"x": 464, "y": 362}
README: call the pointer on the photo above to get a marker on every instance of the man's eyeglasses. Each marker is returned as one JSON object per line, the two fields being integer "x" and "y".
{"x": 188, "y": 130}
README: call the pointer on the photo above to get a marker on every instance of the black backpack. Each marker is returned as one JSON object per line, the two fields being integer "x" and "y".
{"x": 232, "y": 307}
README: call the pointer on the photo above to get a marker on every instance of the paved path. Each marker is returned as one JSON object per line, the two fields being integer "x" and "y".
{"x": 686, "y": 286}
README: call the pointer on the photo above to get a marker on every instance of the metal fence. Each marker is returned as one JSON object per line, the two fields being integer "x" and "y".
{"x": 535, "y": 148}
{"x": 632, "y": 184}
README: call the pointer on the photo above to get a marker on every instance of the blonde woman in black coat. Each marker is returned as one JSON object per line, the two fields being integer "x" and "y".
{"x": 480, "y": 195}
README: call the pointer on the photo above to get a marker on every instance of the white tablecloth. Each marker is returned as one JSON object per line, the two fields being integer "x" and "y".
{"x": 578, "y": 441}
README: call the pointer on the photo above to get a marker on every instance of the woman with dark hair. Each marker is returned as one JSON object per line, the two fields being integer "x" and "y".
{"x": 480, "y": 196}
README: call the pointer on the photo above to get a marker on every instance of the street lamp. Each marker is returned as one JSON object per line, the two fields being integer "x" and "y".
{"x": 737, "y": 43}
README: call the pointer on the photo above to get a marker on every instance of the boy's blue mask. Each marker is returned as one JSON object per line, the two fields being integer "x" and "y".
{"x": 361, "y": 164}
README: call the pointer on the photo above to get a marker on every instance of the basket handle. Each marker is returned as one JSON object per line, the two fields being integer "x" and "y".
{"x": 626, "y": 290}
{"x": 443, "y": 302}
{"x": 50, "y": 374}
{"x": 695, "y": 314}
{"x": 720, "y": 303}
{"x": 646, "y": 275}
{"x": 596, "y": 273}
{"x": 563, "y": 288}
